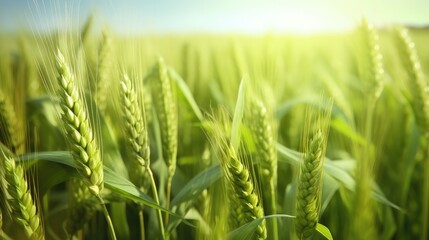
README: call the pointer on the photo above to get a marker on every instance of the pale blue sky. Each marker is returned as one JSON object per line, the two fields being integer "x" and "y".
{"x": 252, "y": 16}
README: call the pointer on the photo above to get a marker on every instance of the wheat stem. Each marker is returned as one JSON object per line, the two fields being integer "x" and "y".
{"x": 137, "y": 135}
{"x": 309, "y": 184}
{"x": 108, "y": 219}
{"x": 156, "y": 198}
{"x": 420, "y": 105}
{"x": 166, "y": 111}
{"x": 267, "y": 155}
{"x": 141, "y": 220}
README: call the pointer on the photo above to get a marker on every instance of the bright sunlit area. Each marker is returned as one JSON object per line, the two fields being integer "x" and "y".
{"x": 222, "y": 16}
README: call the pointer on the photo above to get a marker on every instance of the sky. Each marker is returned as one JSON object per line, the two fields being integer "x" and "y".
{"x": 211, "y": 16}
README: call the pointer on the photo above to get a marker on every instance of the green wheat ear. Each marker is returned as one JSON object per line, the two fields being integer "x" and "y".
{"x": 19, "y": 199}
{"x": 8, "y": 128}
{"x": 266, "y": 153}
{"x": 138, "y": 141}
{"x": 243, "y": 194}
{"x": 242, "y": 182}
{"x": 136, "y": 133}
{"x": 309, "y": 190}
{"x": 104, "y": 71}
{"x": 371, "y": 64}
{"x": 416, "y": 78}
{"x": 419, "y": 99}
{"x": 166, "y": 111}
{"x": 78, "y": 130}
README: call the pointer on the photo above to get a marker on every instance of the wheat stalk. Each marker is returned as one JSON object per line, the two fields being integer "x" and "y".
{"x": 309, "y": 190}
{"x": 242, "y": 192}
{"x": 78, "y": 129}
{"x": 263, "y": 133}
{"x": 420, "y": 104}
{"x": 371, "y": 70}
{"x": 19, "y": 199}
{"x": 137, "y": 135}
{"x": 240, "y": 178}
{"x": 81, "y": 136}
{"x": 166, "y": 111}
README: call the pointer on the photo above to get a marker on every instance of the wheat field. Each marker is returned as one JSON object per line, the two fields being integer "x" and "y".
{"x": 104, "y": 136}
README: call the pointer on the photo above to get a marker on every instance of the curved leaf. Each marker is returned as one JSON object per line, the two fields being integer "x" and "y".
{"x": 342, "y": 127}
{"x": 186, "y": 93}
{"x": 342, "y": 176}
{"x": 112, "y": 180}
{"x": 195, "y": 186}
{"x": 324, "y": 231}
{"x": 126, "y": 189}
{"x": 62, "y": 157}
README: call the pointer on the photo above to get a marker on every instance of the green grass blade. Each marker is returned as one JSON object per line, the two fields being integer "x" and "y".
{"x": 197, "y": 184}
{"x": 126, "y": 189}
{"x": 334, "y": 170}
{"x": 62, "y": 157}
{"x": 112, "y": 180}
{"x": 342, "y": 127}
{"x": 186, "y": 93}
{"x": 330, "y": 187}
{"x": 324, "y": 231}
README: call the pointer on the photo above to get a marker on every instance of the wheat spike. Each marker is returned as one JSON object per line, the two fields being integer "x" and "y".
{"x": 136, "y": 133}
{"x": 104, "y": 71}
{"x": 420, "y": 104}
{"x": 8, "y": 127}
{"x": 166, "y": 111}
{"x": 266, "y": 153}
{"x": 416, "y": 79}
{"x": 78, "y": 129}
{"x": 309, "y": 188}
{"x": 371, "y": 68}
{"x": 242, "y": 192}
{"x": 244, "y": 189}
{"x": 263, "y": 133}
{"x": 19, "y": 199}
